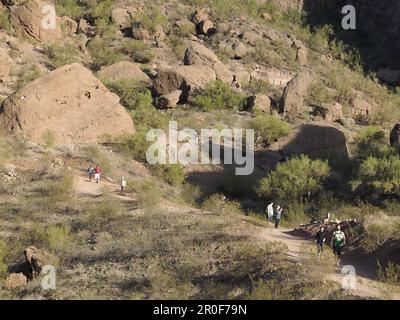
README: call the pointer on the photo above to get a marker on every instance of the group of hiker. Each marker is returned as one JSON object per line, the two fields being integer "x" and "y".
{"x": 338, "y": 237}
{"x": 274, "y": 214}
{"x": 96, "y": 172}
{"x": 337, "y": 243}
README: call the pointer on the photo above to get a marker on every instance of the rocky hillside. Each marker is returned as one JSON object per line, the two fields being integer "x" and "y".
{"x": 85, "y": 86}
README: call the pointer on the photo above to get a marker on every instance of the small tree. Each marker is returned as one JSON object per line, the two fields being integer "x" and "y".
{"x": 294, "y": 180}
{"x": 371, "y": 141}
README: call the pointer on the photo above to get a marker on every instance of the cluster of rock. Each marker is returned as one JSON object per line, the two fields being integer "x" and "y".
{"x": 31, "y": 268}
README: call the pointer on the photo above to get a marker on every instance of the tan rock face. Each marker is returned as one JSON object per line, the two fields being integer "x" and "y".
{"x": 169, "y": 100}
{"x": 197, "y": 54}
{"x": 37, "y": 259}
{"x": 29, "y": 21}
{"x": 5, "y": 65}
{"x": 317, "y": 140}
{"x": 293, "y": 96}
{"x": 189, "y": 79}
{"x": 69, "y": 102}
{"x": 261, "y": 103}
{"x": 123, "y": 70}
{"x": 15, "y": 280}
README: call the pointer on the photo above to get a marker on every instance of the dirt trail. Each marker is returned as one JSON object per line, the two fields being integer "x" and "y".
{"x": 365, "y": 287}
{"x": 83, "y": 187}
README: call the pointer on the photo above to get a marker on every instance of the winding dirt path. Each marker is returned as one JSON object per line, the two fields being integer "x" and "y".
{"x": 366, "y": 287}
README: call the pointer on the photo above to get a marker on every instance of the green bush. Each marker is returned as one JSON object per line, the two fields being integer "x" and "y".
{"x": 376, "y": 234}
{"x": 134, "y": 145}
{"x": 320, "y": 38}
{"x": 48, "y": 138}
{"x": 138, "y": 50}
{"x": 104, "y": 52}
{"x": 60, "y": 55}
{"x": 54, "y": 238}
{"x": 318, "y": 94}
{"x": 294, "y": 180}
{"x": 219, "y": 95}
{"x": 269, "y": 129}
{"x": 378, "y": 177}
{"x": 5, "y": 20}
{"x": 70, "y": 8}
{"x": 173, "y": 174}
{"x": 133, "y": 95}
{"x": 371, "y": 142}
{"x": 151, "y": 18}
{"x": 57, "y": 190}
{"x": 28, "y": 76}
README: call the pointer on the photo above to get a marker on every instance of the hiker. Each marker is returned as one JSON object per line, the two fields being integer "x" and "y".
{"x": 328, "y": 218}
{"x": 90, "y": 172}
{"x": 123, "y": 184}
{"x": 320, "y": 238}
{"x": 270, "y": 211}
{"x": 338, "y": 242}
{"x": 278, "y": 216}
{"x": 97, "y": 173}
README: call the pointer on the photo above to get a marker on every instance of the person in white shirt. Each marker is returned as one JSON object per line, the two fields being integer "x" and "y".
{"x": 278, "y": 217}
{"x": 270, "y": 211}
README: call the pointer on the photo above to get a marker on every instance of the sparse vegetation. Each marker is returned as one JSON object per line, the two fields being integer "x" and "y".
{"x": 219, "y": 95}
{"x": 61, "y": 55}
{"x": 269, "y": 129}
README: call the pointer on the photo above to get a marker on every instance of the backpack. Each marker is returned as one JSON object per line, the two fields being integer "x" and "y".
{"x": 338, "y": 237}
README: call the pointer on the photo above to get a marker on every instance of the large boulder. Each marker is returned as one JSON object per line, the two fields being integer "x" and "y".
{"x": 197, "y": 54}
{"x": 15, "y": 280}
{"x": 390, "y": 76}
{"x": 259, "y": 103}
{"x": 316, "y": 140}
{"x": 123, "y": 70}
{"x": 29, "y": 21}
{"x": 70, "y": 103}
{"x": 189, "y": 79}
{"x": 5, "y": 65}
{"x": 293, "y": 96}
{"x": 37, "y": 259}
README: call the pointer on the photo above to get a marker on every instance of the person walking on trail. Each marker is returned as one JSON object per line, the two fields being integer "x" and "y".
{"x": 97, "y": 173}
{"x": 90, "y": 172}
{"x": 338, "y": 242}
{"x": 123, "y": 184}
{"x": 270, "y": 211}
{"x": 320, "y": 239}
{"x": 278, "y": 216}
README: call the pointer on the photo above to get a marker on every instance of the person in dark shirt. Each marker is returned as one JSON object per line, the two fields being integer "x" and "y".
{"x": 320, "y": 240}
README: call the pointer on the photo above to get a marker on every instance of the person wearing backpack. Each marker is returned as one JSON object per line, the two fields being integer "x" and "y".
{"x": 338, "y": 242}
{"x": 90, "y": 172}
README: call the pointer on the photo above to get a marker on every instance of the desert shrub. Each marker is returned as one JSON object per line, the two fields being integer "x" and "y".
{"x": 134, "y": 145}
{"x": 173, "y": 174}
{"x": 48, "y": 138}
{"x": 28, "y": 76}
{"x": 70, "y": 8}
{"x": 100, "y": 8}
{"x": 151, "y": 18}
{"x": 258, "y": 87}
{"x": 138, "y": 50}
{"x": 320, "y": 38}
{"x": 219, "y": 95}
{"x": 133, "y": 95}
{"x": 376, "y": 234}
{"x": 390, "y": 274}
{"x": 148, "y": 193}
{"x": 104, "y": 52}
{"x": 269, "y": 129}
{"x": 178, "y": 45}
{"x": 318, "y": 94}
{"x": 56, "y": 190}
{"x": 214, "y": 203}
{"x": 60, "y": 55}
{"x": 54, "y": 238}
{"x": 378, "y": 177}
{"x": 100, "y": 215}
{"x": 295, "y": 179}
{"x": 371, "y": 142}
{"x": 5, "y": 20}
